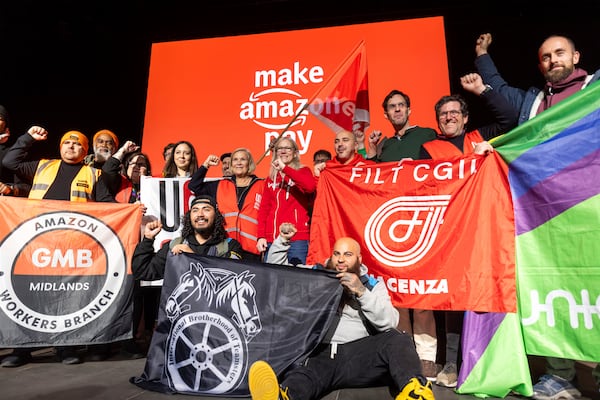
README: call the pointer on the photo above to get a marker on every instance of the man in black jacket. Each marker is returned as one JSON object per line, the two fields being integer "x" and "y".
{"x": 203, "y": 233}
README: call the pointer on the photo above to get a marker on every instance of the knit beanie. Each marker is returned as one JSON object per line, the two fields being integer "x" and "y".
{"x": 78, "y": 136}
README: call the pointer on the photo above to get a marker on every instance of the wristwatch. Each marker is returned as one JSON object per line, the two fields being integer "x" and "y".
{"x": 487, "y": 89}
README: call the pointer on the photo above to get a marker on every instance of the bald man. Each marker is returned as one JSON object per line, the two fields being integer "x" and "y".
{"x": 362, "y": 349}
{"x": 346, "y": 153}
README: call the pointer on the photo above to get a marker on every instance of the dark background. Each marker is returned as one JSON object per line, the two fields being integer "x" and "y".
{"x": 84, "y": 65}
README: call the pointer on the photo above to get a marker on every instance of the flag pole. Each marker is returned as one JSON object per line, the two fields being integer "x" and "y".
{"x": 312, "y": 98}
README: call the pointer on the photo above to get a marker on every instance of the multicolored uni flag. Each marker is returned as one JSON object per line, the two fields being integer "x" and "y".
{"x": 554, "y": 169}
{"x": 342, "y": 103}
{"x": 554, "y": 176}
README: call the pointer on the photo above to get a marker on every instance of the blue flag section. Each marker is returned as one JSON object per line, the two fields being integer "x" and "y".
{"x": 217, "y": 316}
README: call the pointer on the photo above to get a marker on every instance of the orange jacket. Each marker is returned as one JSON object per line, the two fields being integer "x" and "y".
{"x": 241, "y": 224}
{"x": 440, "y": 148}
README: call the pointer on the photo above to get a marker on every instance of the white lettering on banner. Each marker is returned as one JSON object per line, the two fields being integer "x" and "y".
{"x": 58, "y": 286}
{"x": 256, "y": 108}
{"x": 586, "y": 309}
{"x": 415, "y": 286}
{"x": 333, "y": 106}
{"x": 440, "y": 172}
{"x": 301, "y": 139}
{"x": 286, "y": 76}
{"x": 42, "y": 258}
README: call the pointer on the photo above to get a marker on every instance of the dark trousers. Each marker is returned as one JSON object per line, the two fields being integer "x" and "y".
{"x": 385, "y": 359}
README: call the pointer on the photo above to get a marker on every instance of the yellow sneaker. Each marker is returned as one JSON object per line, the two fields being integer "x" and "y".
{"x": 263, "y": 383}
{"x": 416, "y": 389}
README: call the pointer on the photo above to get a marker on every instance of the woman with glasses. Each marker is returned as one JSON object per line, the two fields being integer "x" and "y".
{"x": 287, "y": 197}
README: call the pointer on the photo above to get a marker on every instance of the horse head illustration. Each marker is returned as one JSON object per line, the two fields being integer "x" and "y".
{"x": 236, "y": 298}
{"x": 193, "y": 285}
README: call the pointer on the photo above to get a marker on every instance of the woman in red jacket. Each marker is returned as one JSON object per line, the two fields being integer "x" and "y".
{"x": 287, "y": 197}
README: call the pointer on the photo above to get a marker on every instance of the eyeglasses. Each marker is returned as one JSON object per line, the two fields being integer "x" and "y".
{"x": 451, "y": 113}
{"x": 280, "y": 149}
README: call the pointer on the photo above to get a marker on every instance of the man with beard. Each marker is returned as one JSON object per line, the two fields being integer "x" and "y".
{"x": 203, "y": 233}
{"x": 362, "y": 348}
{"x": 558, "y": 61}
{"x": 407, "y": 139}
{"x": 104, "y": 144}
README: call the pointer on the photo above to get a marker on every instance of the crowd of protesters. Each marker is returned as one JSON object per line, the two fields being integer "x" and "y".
{"x": 253, "y": 209}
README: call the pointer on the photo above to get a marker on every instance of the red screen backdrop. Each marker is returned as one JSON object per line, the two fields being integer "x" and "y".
{"x": 229, "y": 92}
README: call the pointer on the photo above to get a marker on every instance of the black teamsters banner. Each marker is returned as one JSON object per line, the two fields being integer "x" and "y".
{"x": 65, "y": 277}
{"x": 218, "y": 316}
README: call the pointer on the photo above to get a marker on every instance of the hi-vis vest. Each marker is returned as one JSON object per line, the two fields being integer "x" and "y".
{"x": 81, "y": 187}
{"x": 241, "y": 225}
{"x": 442, "y": 148}
{"x": 125, "y": 190}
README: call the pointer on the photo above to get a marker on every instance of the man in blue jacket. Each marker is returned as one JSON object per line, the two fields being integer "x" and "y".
{"x": 558, "y": 59}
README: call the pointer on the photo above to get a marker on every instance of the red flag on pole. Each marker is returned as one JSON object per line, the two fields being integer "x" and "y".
{"x": 342, "y": 103}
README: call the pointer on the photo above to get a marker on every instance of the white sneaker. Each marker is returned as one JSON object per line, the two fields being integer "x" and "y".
{"x": 448, "y": 376}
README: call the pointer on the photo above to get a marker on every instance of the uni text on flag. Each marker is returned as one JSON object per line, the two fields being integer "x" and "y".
{"x": 218, "y": 316}
{"x": 438, "y": 233}
{"x": 65, "y": 274}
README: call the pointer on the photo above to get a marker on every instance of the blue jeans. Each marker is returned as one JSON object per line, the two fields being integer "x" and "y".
{"x": 297, "y": 252}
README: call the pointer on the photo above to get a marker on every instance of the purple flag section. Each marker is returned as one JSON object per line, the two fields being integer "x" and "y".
{"x": 557, "y": 193}
{"x": 479, "y": 329}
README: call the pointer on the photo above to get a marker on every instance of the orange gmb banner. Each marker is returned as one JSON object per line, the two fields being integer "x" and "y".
{"x": 61, "y": 238}
{"x": 65, "y": 274}
{"x": 439, "y": 234}
{"x": 229, "y": 92}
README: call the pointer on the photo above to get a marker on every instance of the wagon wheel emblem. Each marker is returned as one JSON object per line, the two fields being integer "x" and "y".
{"x": 206, "y": 353}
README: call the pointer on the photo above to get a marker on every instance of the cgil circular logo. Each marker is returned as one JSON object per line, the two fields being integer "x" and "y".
{"x": 60, "y": 271}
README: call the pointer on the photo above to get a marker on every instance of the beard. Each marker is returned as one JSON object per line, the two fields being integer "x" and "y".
{"x": 102, "y": 154}
{"x": 355, "y": 269}
{"x": 558, "y": 75}
{"x": 205, "y": 232}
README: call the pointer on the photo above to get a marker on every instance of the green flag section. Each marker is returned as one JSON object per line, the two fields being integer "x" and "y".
{"x": 548, "y": 124}
{"x": 494, "y": 359}
{"x": 559, "y": 284}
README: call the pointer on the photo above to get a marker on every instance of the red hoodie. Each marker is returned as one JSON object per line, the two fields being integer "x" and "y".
{"x": 287, "y": 199}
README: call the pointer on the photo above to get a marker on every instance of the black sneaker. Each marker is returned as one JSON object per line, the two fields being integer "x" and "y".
{"x": 133, "y": 350}
{"x": 16, "y": 359}
{"x": 98, "y": 352}
{"x": 68, "y": 356}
